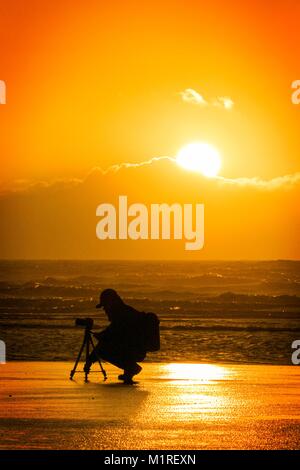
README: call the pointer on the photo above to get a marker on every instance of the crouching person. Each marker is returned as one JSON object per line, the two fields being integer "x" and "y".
{"x": 125, "y": 341}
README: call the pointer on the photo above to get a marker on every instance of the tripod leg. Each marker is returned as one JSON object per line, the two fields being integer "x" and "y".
{"x": 78, "y": 358}
{"x": 87, "y": 353}
{"x": 98, "y": 359}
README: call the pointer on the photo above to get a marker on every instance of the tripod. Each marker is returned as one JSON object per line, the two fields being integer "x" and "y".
{"x": 87, "y": 342}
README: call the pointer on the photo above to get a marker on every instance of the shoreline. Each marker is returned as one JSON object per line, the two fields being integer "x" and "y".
{"x": 151, "y": 361}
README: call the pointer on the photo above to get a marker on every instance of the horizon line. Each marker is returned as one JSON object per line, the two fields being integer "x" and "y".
{"x": 246, "y": 260}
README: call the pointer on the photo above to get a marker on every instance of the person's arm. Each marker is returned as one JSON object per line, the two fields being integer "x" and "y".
{"x": 106, "y": 334}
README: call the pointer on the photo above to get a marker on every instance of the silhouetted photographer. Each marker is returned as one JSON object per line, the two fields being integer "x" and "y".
{"x": 128, "y": 338}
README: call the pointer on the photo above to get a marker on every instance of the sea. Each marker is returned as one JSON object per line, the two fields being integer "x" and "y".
{"x": 210, "y": 311}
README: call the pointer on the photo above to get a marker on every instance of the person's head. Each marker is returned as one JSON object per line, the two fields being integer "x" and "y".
{"x": 110, "y": 301}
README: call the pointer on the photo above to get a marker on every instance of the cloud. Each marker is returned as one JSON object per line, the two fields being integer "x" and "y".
{"x": 192, "y": 96}
{"x": 154, "y": 164}
{"x": 244, "y": 217}
{"x": 224, "y": 102}
{"x": 278, "y": 182}
{"x": 117, "y": 167}
{"x": 23, "y": 185}
{"x": 274, "y": 183}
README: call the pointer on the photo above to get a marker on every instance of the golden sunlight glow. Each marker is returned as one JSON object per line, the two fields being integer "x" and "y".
{"x": 200, "y": 157}
{"x": 203, "y": 372}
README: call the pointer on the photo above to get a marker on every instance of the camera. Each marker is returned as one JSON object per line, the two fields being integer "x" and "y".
{"x": 86, "y": 322}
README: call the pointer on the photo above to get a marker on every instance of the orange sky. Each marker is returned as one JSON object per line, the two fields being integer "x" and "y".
{"x": 97, "y": 83}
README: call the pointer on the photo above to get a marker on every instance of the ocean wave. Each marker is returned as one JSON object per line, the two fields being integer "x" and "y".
{"x": 164, "y": 328}
{"x": 232, "y": 328}
{"x": 256, "y": 298}
{"x": 23, "y": 293}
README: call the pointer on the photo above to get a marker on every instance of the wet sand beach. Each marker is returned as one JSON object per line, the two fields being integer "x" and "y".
{"x": 173, "y": 406}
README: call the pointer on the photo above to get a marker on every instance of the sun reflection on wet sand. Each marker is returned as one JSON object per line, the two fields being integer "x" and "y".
{"x": 196, "y": 372}
{"x": 196, "y": 391}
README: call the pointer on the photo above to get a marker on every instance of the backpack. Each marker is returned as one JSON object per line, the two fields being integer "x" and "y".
{"x": 151, "y": 335}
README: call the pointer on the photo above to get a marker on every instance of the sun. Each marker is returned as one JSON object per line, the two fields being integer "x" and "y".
{"x": 200, "y": 157}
